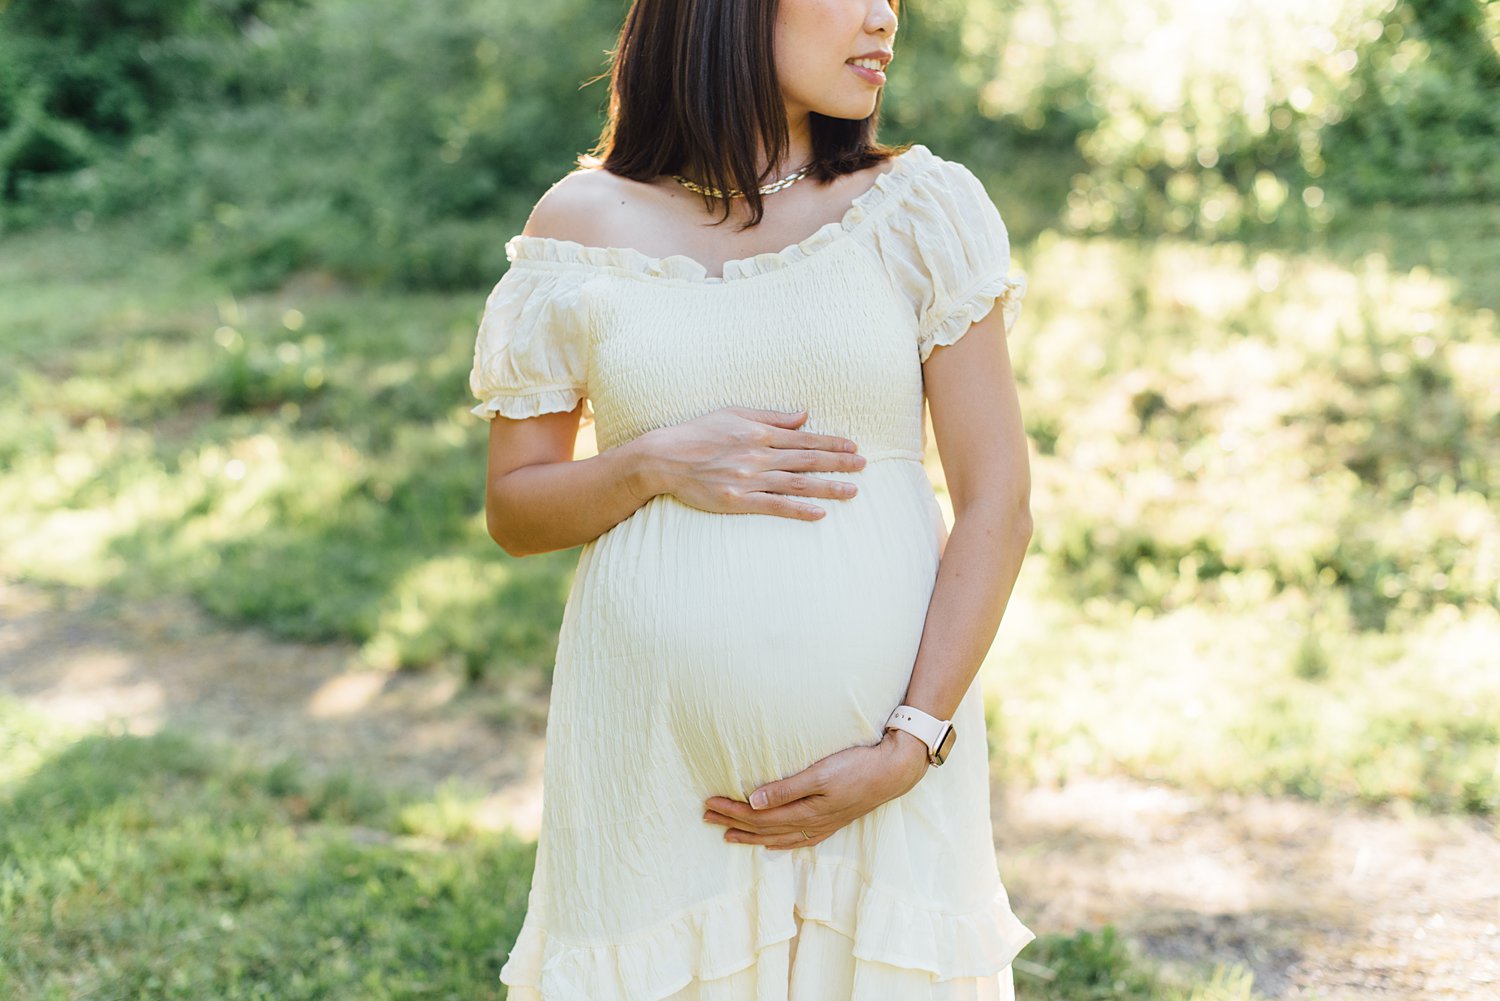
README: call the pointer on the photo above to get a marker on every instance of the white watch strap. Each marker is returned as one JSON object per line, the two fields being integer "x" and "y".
{"x": 923, "y": 725}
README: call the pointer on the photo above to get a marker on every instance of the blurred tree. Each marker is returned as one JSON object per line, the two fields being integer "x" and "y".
{"x": 1423, "y": 122}
{"x": 81, "y": 77}
{"x": 1217, "y": 119}
{"x": 393, "y": 142}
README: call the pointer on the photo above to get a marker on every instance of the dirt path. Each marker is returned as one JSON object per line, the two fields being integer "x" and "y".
{"x": 1318, "y": 902}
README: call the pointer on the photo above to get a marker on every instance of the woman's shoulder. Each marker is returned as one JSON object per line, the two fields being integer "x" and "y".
{"x": 929, "y": 197}
{"x": 568, "y": 228}
{"x": 952, "y": 180}
{"x": 940, "y": 207}
{"x": 571, "y": 208}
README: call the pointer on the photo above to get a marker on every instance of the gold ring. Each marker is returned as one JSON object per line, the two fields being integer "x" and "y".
{"x": 807, "y": 836}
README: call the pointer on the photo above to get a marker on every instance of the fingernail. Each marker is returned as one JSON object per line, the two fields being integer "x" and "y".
{"x": 758, "y": 799}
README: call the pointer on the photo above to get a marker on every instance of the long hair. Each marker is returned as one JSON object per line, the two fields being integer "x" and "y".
{"x": 694, "y": 82}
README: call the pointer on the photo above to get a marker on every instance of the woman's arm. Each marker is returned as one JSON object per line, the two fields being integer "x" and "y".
{"x": 538, "y": 498}
{"x": 731, "y": 460}
{"x": 976, "y": 422}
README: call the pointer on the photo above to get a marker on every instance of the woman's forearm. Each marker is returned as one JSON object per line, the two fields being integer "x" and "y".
{"x": 978, "y": 571}
{"x": 550, "y": 506}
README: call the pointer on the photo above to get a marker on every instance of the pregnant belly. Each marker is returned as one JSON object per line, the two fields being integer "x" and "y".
{"x": 756, "y": 644}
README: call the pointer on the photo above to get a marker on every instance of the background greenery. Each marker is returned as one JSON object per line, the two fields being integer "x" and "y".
{"x": 245, "y": 243}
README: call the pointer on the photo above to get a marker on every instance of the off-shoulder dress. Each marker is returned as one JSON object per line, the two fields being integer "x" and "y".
{"x": 705, "y": 654}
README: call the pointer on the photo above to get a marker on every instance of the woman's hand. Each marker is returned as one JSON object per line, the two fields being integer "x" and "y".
{"x": 825, "y": 795}
{"x": 741, "y": 460}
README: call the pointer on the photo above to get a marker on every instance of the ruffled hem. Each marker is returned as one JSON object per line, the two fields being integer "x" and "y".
{"x": 542, "y": 401}
{"x": 971, "y": 308}
{"x": 865, "y": 207}
{"x": 727, "y": 935}
{"x": 888, "y": 929}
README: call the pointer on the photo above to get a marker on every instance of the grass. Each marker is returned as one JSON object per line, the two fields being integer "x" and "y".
{"x": 1100, "y": 964}
{"x": 1265, "y": 697}
{"x": 300, "y": 462}
{"x": 159, "y": 867}
{"x": 1268, "y": 540}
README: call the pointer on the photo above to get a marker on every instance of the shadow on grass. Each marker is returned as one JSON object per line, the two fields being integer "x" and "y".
{"x": 383, "y": 552}
{"x": 156, "y": 867}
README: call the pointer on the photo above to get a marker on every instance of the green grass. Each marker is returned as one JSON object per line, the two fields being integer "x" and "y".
{"x": 1267, "y": 497}
{"x": 1265, "y": 695}
{"x": 301, "y": 462}
{"x": 1100, "y": 964}
{"x": 155, "y": 867}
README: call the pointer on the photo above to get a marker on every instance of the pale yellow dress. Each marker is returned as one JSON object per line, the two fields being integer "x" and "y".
{"x": 705, "y": 654}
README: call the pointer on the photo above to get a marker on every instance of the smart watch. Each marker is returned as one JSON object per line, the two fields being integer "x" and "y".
{"x": 937, "y": 734}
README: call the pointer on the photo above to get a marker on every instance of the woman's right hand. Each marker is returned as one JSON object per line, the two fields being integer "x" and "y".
{"x": 743, "y": 460}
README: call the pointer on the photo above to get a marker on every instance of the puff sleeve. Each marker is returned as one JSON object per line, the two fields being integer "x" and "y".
{"x": 948, "y": 253}
{"x": 531, "y": 353}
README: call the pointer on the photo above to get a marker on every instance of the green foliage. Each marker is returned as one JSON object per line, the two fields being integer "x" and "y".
{"x": 1087, "y": 964}
{"x": 1424, "y": 116}
{"x": 383, "y": 143}
{"x": 1358, "y": 404}
{"x": 79, "y": 80}
{"x": 397, "y": 144}
{"x": 1099, "y": 964}
{"x": 394, "y": 169}
{"x": 158, "y": 867}
{"x": 1206, "y": 120}
{"x": 1231, "y": 120}
{"x": 1219, "y": 695}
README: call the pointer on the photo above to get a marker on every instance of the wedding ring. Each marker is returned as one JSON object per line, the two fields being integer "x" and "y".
{"x": 807, "y": 836}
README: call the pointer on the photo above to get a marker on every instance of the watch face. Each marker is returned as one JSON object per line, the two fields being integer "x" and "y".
{"x": 945, "y": 744}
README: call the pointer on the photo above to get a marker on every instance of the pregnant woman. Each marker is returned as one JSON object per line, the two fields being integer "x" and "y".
{"x": 766, "y": 775}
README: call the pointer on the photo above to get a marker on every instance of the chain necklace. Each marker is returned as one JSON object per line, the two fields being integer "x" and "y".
{"x": 764, "y": 189}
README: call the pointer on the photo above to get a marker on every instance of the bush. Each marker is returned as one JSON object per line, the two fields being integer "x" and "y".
{"x": 1424, "y": 114}
{"x": 79, "y": 81}
{"x": 382, "y": 143}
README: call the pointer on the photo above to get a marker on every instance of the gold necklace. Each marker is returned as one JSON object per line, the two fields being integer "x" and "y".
{"x": 764, "y": 189}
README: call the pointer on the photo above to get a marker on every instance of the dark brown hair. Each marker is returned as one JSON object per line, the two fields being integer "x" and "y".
{"x": 694, "y": 82}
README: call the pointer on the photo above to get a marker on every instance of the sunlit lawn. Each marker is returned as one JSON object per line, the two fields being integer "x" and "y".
{"x": 304, "y": 463}
{"x": 1267, "y": 550}
{"x": 148, "y": 867}
{"x": 1268, "y": 694}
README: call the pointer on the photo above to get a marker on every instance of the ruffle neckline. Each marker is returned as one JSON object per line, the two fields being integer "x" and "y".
{"x": 726, "y": 935}
{"x": 865, "y": 207}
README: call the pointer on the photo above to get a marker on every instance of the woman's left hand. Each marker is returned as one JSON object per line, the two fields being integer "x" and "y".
{"x": 825, "y": 795}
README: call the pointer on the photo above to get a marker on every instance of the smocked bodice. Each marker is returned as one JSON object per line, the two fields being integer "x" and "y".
{"x": 839, "y": 322}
